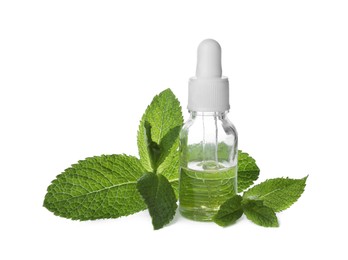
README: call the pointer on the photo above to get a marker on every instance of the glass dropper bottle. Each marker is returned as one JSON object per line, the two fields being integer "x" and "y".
{"x": 208, "y": 140}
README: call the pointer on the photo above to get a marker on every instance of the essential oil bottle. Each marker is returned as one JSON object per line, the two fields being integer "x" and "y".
{"x": 208, "y": 140}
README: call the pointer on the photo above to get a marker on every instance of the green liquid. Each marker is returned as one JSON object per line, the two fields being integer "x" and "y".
{"x": 203, "y": 191}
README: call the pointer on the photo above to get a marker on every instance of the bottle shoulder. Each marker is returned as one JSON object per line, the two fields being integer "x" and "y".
{"x": 198, "y": 123}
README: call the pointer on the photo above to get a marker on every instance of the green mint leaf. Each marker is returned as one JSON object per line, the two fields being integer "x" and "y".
{"x": 159, "y": 197}
{"x": 159, "y": 152}
{"x": 259, "y": 213}
{"x": 97, "y": 187}
{"x": 153, "y": 149}
{"x": 171, "y": 171}
{"x": 165, "y": 118}
{"x": 169, "y": 146}
{"x": 278, "y": 194}
{"x": 248, "y": 172}
{"x": 230, "y": 211}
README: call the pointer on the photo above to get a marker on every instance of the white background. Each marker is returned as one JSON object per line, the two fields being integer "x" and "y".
{"x": 76, "y": 76}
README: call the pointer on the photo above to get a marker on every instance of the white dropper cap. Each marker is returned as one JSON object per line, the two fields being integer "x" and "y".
{"x": 209, "y": 90}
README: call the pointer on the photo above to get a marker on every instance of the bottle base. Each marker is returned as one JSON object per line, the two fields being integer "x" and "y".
{"x": 200, "y": 214}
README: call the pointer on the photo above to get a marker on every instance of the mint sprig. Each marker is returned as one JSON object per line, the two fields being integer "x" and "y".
{"x": 164, "y": 117}
{"x": 111, "y": 186}
{"x": 261, "y": 202}
{"x": 159, "y": 133}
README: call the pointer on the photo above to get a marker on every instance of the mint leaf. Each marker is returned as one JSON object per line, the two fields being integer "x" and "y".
{"x": 171, "y": 171}
{"x": 230, "y": 211}
{"x": 159, "y": 152}
{"x": 159, "y": 197}
{"x": 153, "y": 149}
{"x": 248, "y": 172}
{"x": 97, "y": 187}
{"x": 169, "y": 146}
{"x": 259, "y": 213}
{"x": 165, "y": 117}
{"x": 278, "y": 194}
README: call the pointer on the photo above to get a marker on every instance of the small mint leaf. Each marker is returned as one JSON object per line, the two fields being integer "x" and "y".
{"x": 97, "y": 187}
{"x": 248, "y": 172}
{"x": 260, "y": 214}
{"x": 278, "y": 194}
{"x": 153, "y": 149}
{"x": 170, "y": 169}
{"x": 230, "y": 211}
{"x": 169, "y": 144}
{"x": 159, "y": 152}
{"x": 159, "y": 197}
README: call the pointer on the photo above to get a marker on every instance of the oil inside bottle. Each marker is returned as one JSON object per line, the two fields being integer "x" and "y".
{"x": 204, "y": 186}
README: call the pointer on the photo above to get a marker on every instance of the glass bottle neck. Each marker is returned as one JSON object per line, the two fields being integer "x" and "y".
{"x": 220, "y": 115}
